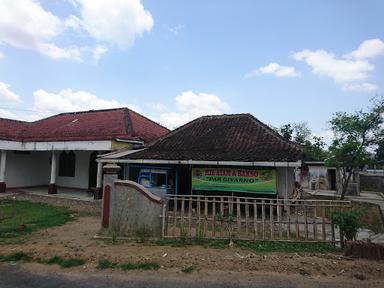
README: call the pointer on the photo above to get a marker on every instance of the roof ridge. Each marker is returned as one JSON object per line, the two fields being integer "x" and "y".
{"x": 273, "y": 132}
{"x": 145, "y": 117}
{"x": 15, "y": 120}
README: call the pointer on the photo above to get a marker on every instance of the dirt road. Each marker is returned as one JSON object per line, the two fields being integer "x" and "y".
{"x": 36, "y": 275}
{"x": 75, "y": 239}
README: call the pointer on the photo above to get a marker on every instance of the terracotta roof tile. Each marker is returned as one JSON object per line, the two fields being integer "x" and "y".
{"x": 87, "y": 125}
{"x": 238, "y": 137}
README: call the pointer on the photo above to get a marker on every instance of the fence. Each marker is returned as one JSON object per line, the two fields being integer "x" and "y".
{"x": 245, "y": 218}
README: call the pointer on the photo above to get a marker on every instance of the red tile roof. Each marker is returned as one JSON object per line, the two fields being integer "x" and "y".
{"x": 108, "y": 124}
{"x": 236, "y": 137}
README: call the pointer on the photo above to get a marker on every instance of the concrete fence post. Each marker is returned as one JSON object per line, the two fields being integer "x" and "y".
{"x": 111, "y": 170}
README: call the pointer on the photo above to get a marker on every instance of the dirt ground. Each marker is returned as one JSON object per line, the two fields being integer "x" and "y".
{"x": 75, "y": 239}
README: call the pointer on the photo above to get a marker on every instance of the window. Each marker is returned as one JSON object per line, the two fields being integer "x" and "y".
{"x": 67, "y": 164}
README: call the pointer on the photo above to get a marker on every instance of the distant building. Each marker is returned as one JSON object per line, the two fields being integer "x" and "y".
{"x": 314, "y": 175}
{"x": 226, "y": 154}
{"x": 61, "y": 150}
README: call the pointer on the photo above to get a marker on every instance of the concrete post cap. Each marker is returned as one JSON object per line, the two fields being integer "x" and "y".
{"x": 111, "y": 168}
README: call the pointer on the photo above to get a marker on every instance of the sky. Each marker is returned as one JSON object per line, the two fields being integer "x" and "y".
{"x": 173, "y": 61}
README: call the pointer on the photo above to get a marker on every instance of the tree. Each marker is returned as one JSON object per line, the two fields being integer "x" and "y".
{"x": 379, "y": 153}
{"x": 313, "y": 146}
{"x": 355, "y": 134}
{"x": 286, "y": 131}
{"x": 302, "y": 133}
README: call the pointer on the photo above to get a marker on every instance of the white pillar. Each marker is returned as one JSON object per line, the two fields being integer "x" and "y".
{"x": 99, "y": 175}
{"x": 52, "y": 188}
{"x": 3, "y": 162}
{"x": 53, "y": 168}
{"x": 2, "y": 165}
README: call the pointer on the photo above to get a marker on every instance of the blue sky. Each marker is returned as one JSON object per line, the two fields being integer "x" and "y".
{"x": 282, "y": 61}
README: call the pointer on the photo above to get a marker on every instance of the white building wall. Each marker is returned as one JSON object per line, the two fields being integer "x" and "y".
{"x": 285, "y": 181}
{"x": 81, "y": 172}
{"x": 32, "y": 169}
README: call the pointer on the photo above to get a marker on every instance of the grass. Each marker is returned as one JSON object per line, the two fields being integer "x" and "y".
{"x": 106, "y": 264}
{"x": 188, "y": 270}
{"x": 260, "y": 246}
{"x": 139, "y": 266}
{"x": 65, "y": 263}
{"x": 201, "y": 242}
{"x": 15, "y": 257}
{"x": 370, "y": 216}
{"x": 18, "y": 218}
{"x": 290, "y": 247}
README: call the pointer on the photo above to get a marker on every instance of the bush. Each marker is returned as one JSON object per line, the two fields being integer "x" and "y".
{"x": 348, "y": 223}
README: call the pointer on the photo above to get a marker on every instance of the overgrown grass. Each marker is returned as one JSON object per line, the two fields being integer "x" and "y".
{"x": 182, "y": 243}
{"x": 65, "y": 263}
{"x": 106, "y": 264}
{"x": 14, "y": 257}
{"x": 188, "y": 269}
{"x": 370, "y": 216}
{"x": 139, "y": 266}
{"x": 260, "y": 246}
{"x": 269, "y": 246}
{"x": 19, "y": 218}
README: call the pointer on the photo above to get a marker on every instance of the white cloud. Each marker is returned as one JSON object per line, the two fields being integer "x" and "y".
{"x": 324, "y": 63}
{"x": 116, "y": 22}
{"x": 191, "y": 105}
{"x": 48, "y": 103}
{"x": 7, "y": 95}
{"x": 25, "y": 24}
{"x": 368, "y": 49}
{"x": 1, "y": 55}
{"x": 359, "y": 87}
{"x": 98, "y": 52}
{"x": 350, "y": 71}
{"x": 7, "y": 114}
{"x": 175, "y": 30}
{"x": 275, "y": 69}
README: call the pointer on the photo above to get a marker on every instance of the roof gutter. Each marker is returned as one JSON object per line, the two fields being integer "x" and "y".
{"x": 197, "y": 162}
{"x": 129, "y": 141}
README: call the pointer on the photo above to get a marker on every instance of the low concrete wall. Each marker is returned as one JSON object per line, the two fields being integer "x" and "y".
{"x": 134, "y": 210}
{"x": 372, "y": 182}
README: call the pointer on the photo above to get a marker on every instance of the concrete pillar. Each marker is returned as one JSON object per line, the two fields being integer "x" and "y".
{"x": 110, "y": 176}
{"x": 3, "y": 163}
{"x": 98, "y": 192}
{"x": 52, "y": 188}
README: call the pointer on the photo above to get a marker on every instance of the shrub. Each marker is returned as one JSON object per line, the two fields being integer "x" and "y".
{"x": 348, "y": 223}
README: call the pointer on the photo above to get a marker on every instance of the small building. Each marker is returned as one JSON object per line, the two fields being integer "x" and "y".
{"x": 225, "y": 154}
{"x": 315, "y": 175}
{"x": 61, "y": 150}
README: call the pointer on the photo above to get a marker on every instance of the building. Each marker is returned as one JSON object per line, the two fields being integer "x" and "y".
{"x": 315, "y": 175}
{"x": 61, "y": 150}
{"x": 235, "y": 154}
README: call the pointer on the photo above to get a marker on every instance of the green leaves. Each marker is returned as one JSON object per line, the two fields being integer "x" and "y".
{"x": 348, "y": 222}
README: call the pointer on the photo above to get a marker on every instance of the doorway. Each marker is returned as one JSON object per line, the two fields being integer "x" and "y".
{"x": 92, "y": 179}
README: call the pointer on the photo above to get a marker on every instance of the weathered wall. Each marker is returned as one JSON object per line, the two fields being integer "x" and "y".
{"x": 134, "y": 210}
{"x": 369, "y": 182}
{"x": 29, "y": 169}
{"x": 285, "y": 181}
{"x": 81, "y": 171}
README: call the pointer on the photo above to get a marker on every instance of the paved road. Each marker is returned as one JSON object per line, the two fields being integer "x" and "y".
{"x": 17, "y": 276}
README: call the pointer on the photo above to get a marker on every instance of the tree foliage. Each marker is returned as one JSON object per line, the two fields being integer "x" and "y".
{"x": 313, "y": 146}
{"x": 355, "y": 135}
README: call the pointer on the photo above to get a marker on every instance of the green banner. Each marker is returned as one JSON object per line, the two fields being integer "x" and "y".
{"x": 236, "y": 180}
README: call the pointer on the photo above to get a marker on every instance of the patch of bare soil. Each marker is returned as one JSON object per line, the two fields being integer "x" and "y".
{"x": 75, "y": 239}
